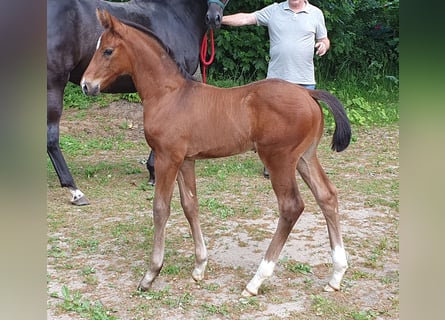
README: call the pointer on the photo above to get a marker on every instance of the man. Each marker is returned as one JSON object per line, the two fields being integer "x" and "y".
{"x": 296, "y": 30}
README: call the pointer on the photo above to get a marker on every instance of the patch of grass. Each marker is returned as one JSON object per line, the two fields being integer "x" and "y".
{"x": 153, "y": 294}
{"x": 56, "y": 252}
{"x": 74, "y": 98}
{"x": 356, "y": 274}
{"x": 364, "y": 315}
{"x": 365, "y": 105}
{"x": 211, "y": 286}
{"x": 70, "y": 145}
{"x": 74, "y": 302}
{"x": 325, "y": 308}
{"x": 296, "y": 267}
{"x": 89, "y": 245}
{"x": 171, "y": 270}
{"x": 166, "y": 298}
{"x": 215, "y": 309}
{"x": 217, "y": 208}
{"x": 375, "y": 259}
{"x": 226, "y": 167}
{"x": 329, "y": 309}
{"x": 131, "y": 97}
{"x": 89, "y": 276}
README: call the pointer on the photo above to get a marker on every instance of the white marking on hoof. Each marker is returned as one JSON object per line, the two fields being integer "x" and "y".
{"x": 198, "y": 274}
{"x": 329, "y": 288}
{"x": 77, "y": 194}
{"x": 340, "y": 265}
{"x": 78, "y": 198}
{"x": 264, "y": 271}
{"x": 248, "y": 294}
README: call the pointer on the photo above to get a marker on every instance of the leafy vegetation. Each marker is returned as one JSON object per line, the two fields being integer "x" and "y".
{"x": 74, "y": 302}
{"x": 364, "y": 36}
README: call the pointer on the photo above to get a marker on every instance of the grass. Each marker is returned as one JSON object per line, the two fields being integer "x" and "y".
{"x": 74, "y": 98}
{"x": 73, "y": 302}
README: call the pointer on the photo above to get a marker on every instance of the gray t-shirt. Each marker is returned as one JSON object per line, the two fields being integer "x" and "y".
{"x": 292, "y": 40}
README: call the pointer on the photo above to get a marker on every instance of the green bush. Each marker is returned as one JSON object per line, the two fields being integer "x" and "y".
{"x": 364, "y": 35}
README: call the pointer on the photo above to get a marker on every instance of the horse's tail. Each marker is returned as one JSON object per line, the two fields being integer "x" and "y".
{"x": 342, "y": 133}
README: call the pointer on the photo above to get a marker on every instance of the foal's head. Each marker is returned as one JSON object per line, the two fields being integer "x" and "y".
{"x": 111, "y": 57}
{"x": 119, "y": 49}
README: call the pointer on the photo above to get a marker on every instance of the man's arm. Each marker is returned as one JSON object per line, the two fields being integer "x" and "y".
{"x": 239, "y": 19}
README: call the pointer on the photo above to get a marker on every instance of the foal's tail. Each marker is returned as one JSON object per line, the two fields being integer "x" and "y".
{"x": 342, "y": 133}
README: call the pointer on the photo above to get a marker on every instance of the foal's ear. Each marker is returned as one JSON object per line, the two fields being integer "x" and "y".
{"x": 105, "y": 18}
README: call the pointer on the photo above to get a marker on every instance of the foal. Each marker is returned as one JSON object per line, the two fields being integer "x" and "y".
{"x": 186, "y": 120}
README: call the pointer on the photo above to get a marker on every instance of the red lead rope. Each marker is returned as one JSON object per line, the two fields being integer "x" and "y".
{"x": 206, "y": 63}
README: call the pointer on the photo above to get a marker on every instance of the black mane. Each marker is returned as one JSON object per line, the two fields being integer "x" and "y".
{"x": 150, "y": 33}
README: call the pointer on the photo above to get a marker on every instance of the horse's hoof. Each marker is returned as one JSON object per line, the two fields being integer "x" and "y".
{"x": 151, "y": 182}
{"x": 247, "y": 294}
{"x": 197, "y": 276}
{"x": 266, "y": 173}
{"x": 82, "y": 201}
{"x": 329, "y": 288}
{"x": 143, "y": 287}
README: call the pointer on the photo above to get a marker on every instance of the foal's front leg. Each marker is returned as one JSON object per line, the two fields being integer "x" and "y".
{"x": 189, "y": 203}
{"x": 161, "y": 212}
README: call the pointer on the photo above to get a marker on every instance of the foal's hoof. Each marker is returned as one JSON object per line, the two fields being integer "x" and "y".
{"x": 247, "y": 294}
{"x": 197, "y": 275}
{"x": 329, "y": 288}
{"x": 151, "y": 181}
{"x": 82, "y": 201}
{"x": 142, "y": 287}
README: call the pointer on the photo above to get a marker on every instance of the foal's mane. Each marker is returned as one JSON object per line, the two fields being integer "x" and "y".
{"x": 151, "y": 34}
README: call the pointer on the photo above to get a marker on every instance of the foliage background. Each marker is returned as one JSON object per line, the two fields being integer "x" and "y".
{"x": 364, "y": 38}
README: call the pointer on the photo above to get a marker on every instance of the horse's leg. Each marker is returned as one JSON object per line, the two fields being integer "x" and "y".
{"x": 290, "y": 204}
{"x": 151, "y": 168}
{"x": 54, "y": 112}
{"x": 189, "y": 203}
{"x": 326, "y": 195}
{"x": 161, "y": 211}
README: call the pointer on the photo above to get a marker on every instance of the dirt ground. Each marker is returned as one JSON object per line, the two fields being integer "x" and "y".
{"x": 99, "y": 252}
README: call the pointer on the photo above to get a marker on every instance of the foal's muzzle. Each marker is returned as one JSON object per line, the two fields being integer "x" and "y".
{"x": 89, "y": 89}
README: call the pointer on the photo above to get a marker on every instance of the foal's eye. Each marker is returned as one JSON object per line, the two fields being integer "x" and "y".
{"x": 108, "y": 52}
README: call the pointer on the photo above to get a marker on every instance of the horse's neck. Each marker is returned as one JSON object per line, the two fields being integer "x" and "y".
{"x": 154, "y": 71}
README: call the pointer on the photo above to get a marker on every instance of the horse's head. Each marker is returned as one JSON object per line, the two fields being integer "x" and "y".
{"x": 215, "y": 12}
{"x": 109, "y": 60}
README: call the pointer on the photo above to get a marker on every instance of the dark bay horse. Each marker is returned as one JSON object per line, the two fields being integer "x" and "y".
{"x": 72, "y": 33}
{"x": 186, "y": 120}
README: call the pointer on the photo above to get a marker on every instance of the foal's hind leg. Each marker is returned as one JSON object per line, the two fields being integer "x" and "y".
{"x": 291, "y": 206}
{"x": 326, "y": 195}
{"x": 189, "y": 202}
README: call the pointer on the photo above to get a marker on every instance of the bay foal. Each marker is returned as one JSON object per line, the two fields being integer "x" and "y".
{"x": 186, "y": 120}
